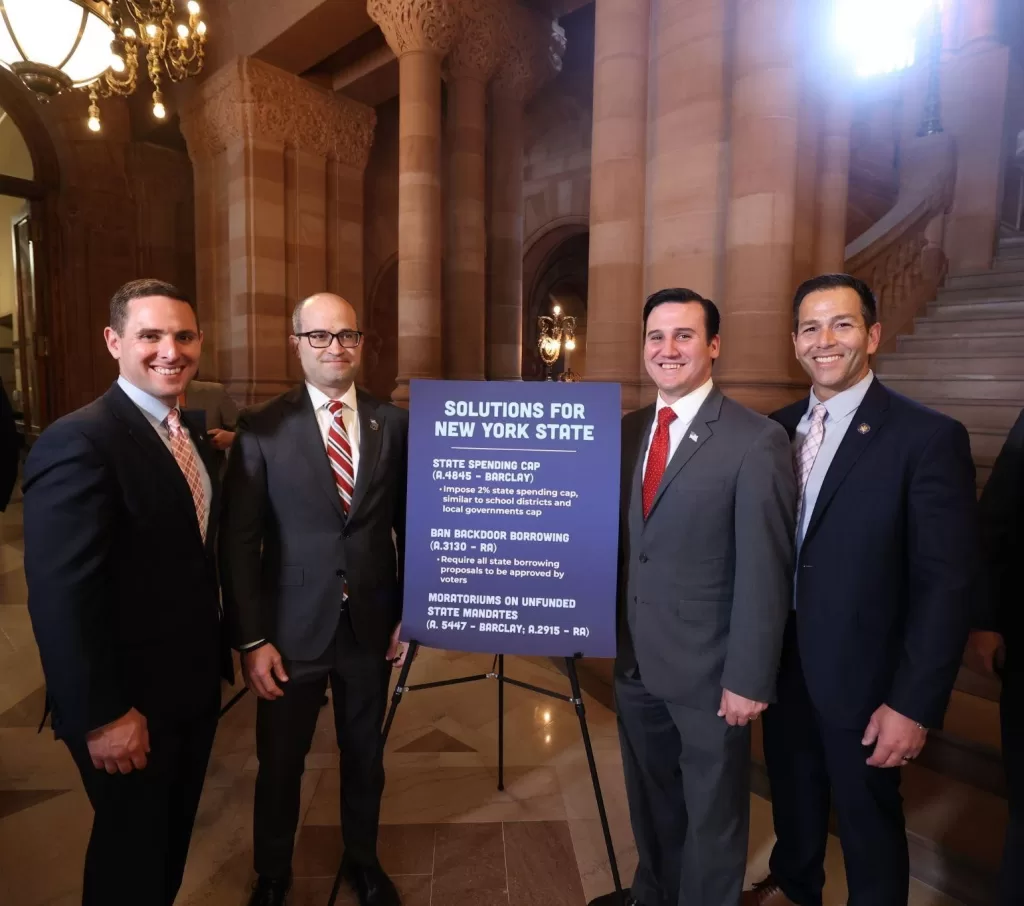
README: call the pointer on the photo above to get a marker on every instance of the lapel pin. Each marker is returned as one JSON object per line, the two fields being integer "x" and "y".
{"x": 373, "y": 425}
{"x": 863, "y": 428}
{"x": 693, "y": 436}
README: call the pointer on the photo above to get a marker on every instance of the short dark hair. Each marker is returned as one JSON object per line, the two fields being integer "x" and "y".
{"x": 142, "y": 289}
{"x": 868, "y": 303}
{"x": 712, "y": 319}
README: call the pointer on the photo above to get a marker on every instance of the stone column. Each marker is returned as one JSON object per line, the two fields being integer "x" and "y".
{"x": 533, "y": 48}
{"x": 265, "y": 144}
{"x": 468, "y": 68}
{"x": 420, "y": 32}
{"x": 833, "y": 181}
{"x": 617, "y": 191}
{"x": 756, "y": 366}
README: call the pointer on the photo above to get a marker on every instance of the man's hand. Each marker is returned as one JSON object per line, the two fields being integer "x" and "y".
{"x": 221, "y": 439}
{"x": 397, "y": 650}
{"x": 260, "y": 667}
{"x": 983, "y": 652}
{"x": 897, "y": 739}
{"x": 737, "y": 710}
{"x": 121, "y": 745}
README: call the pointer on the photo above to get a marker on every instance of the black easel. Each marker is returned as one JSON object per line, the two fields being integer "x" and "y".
{"x": 575, "y": 699}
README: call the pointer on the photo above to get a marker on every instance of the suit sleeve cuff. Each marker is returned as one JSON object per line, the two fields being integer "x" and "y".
{"x": 252, "y": 646}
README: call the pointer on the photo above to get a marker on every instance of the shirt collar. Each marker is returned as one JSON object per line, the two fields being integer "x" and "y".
{"x": 321, "y": 399}
{"x": 686, "y": 407}
{"x": 846, "y": 403}
{"x": 148, "y": 404}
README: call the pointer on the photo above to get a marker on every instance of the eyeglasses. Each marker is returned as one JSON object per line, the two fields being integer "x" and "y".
{"x": 322, "y": 339}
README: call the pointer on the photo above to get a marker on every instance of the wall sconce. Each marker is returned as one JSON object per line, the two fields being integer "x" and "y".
{"x": 556, "y": 331}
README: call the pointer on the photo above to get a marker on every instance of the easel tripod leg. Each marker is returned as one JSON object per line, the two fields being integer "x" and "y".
{"x": 574, "y": 681}
{"x": 501, "y": 722}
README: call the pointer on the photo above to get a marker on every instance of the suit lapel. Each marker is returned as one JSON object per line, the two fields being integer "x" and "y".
{"x": 143, "y": 433}
{"x": 310, "y": 442}
{"x": 371, "y": 430}
{"x": 867, "y": 421}
{"x": 695, "y": 438}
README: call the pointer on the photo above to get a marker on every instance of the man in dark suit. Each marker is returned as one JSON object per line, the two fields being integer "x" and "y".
{"x": 314, "y": 504}
{"x": 10, "y": 449}
{"x": 997, "y": 643}
{"x": 887, "y": 553}
{"x": 120, "y": 515}
{"x": 706, "y": 565}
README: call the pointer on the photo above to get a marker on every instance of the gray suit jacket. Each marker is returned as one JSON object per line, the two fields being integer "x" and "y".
{"x": 287, "y": 547}
{"x": 706, "y": 580}
{"x": 211, "y": 397}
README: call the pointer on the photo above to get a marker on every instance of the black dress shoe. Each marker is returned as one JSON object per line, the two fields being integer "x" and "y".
{"x": 269, "y": 892}
{"x": 371, "y": 884}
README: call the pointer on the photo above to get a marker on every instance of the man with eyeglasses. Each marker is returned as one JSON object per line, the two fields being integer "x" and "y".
{"x": 311, "y": 541}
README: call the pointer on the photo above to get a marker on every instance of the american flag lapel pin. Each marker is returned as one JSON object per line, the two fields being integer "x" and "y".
{"x": 373, "y": 425}
{"x": 863, "y": 428}
{"x": 693, "y": 436}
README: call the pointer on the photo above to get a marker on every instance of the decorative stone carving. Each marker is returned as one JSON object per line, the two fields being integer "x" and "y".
{"x": 411, "y": 25}
{"x": 252, "y": 99}
{"x": 475, "y": 54}
{"x": 533, "y": 50}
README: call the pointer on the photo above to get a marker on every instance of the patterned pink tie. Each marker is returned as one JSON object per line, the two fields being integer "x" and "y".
{"x": 339, "y": 452}
{"x": 181, "y": 447}
{"x": 807, "y": 452}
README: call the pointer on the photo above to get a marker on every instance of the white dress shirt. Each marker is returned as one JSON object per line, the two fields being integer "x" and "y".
{"x": 349, "y": 415}
{"x": 685, "y": 410}
{"x": 841, "y": 408}
{"x": 156, "y": 414}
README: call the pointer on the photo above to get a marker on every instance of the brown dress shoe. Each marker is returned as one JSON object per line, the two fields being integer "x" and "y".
{"x": 765, "y": 893}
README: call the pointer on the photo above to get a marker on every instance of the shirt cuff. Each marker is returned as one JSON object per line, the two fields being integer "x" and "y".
{"x": 252, "y": 646}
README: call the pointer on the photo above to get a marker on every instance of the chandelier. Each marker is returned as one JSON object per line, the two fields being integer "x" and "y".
{"x": 555, "y": 332}
{"x": 93, "y": 45}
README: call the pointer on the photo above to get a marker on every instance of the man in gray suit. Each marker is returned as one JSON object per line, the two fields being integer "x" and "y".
{"x": 220, "y": 411}
{"x": 708, "y": 501}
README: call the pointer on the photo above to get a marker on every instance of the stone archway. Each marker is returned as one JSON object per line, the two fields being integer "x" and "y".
{"x": 555, "y": 270}
{"x": 380, "y": 354}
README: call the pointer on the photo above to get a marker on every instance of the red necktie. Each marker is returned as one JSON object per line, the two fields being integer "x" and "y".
{"x": 339, "y": 452}
{"x": 657, "y": 458}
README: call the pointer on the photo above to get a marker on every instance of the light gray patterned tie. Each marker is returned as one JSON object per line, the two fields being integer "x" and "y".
{"x": 807, "y": 452}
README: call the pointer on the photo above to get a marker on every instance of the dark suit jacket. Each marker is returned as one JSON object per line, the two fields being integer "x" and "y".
{"x": 706, "y": 580}
{"x": 121, "y": 589}
{"x": 10, "y": 446}
{"x": 287, "y": 548}
{"x": 1002, "y": 527}
{"x": 885, "y": 575}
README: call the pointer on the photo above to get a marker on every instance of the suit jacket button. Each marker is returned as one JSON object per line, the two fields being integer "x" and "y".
{"x": 643, "y": 558}
{"x": 340, "y": 573}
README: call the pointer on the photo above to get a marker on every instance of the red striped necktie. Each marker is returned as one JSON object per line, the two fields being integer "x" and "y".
{"x": 339, "y": 452}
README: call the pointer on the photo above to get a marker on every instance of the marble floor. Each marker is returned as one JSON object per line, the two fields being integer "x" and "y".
{"x": 448, "y": 836}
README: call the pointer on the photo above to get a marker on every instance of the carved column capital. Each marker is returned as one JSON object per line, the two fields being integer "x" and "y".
{"x": 415, "y": 25}
{"x": 533, "y": 49}
{"x": 252, "y": 99}
{"x": 476, "y": 51}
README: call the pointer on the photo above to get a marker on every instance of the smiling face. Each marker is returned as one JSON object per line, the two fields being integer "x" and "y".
{"x": 158, "y": 348}
{"x": 677, "y": 353}
{"x": 333, "y": 369}
{"x": 832, "y": 340}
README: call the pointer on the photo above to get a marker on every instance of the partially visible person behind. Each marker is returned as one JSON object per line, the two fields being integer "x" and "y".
{"x": 10, "y": 448}
{"x": 996, "y": 644}
{"x": 121, "y": 503}
{"x": 887, "y": 557}
{"x": 220, "y": 412}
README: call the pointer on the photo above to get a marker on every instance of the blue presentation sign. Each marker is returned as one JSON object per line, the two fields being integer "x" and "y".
{"x": 513, "y": 516}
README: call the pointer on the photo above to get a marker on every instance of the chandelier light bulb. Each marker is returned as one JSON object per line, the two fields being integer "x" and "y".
{"x": 570, "y": 344}
{"x": 151, "y": 30}
{"x": 183, "y": 32}
{"x": 94, "y": 123}
{"x": 557, "y": 309}
{"x": 201, "y": 28}
{"x": 116, "y": 63}
{"x": 193, "y": 7}
{"x": 129, "y": 32}
{"x": 159, "y": 111}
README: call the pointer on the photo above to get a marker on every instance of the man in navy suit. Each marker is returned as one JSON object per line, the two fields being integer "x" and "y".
{"x": 121, "y": 500}
{"x": 997, "y": 642}
{"x": 887, "y": 556}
